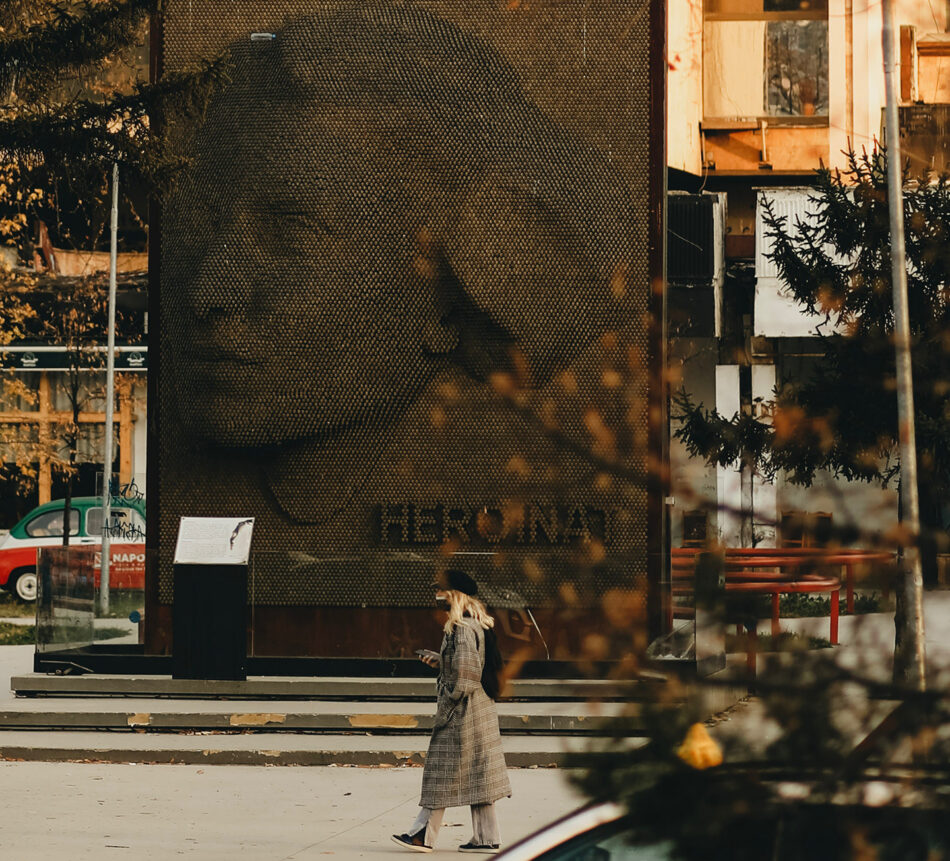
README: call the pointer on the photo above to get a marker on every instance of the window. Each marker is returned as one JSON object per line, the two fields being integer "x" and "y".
{"x": 766, "y": 60}
{"x": 695, "y": 528}
{"x": 796, "y": 62}
{"x": 127, "y": 524}
{"x": 50, "y": 524}
{"x": 607, "y": 843}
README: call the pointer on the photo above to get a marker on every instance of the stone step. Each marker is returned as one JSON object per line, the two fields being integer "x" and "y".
{"x": 314, "y": 688}
{"x": 276, "y": 716}
{"x": 252, "y": 749}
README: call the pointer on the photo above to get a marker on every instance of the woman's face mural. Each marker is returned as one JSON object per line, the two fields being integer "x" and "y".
{"x": 357, "y": 216}
{"x": 298, "y": 294}
{"x": 378, "y": 217}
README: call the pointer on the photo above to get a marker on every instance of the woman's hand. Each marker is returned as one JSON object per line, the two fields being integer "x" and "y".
{"x": 429, "y": 658}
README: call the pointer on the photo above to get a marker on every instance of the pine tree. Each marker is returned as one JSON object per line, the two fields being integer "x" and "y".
{"x": 74, "y": 100}
{"x": 843, "y": 417}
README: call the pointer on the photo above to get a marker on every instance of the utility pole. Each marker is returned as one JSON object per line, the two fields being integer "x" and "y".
{"x": 110, "y": 398}
{"x": 909, "y": 658}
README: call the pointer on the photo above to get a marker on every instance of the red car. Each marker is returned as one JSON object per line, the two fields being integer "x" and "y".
{"x": 43, "y": 527}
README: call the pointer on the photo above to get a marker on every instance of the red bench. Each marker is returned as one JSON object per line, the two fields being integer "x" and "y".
{"x": 743, "y": 577}
{"x": 796, "y": 558}
{"x": 774, "y": 584}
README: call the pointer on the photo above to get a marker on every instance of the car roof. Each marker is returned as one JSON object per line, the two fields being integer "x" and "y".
{"x": 563, "y": 829}
{"x": 84, "y": 502}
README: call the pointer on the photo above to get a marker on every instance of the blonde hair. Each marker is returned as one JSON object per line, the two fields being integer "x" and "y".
{"x": 461, "y": 605}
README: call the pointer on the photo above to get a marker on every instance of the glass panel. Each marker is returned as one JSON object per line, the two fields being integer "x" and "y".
{"x": 792, "y": 57}
{"x": 20, "y": 393}
{"x": 69, "y": 603}
{"x": 50, "y": 524}
{"x": 65, "y": 598}
{"x": 94, "y": 521}
{"x": 123, "y": 623}
{"x": 797, "y": 68}
{"x": 88, "y": 394}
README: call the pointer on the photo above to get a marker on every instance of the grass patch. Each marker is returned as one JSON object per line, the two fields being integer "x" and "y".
{"x": 112, "y": 633}
{"x": 25, "y": 635}
{"x": 121, "y": 603}
{"x": 804, "y": 605}
{"x": 12, "y": 608}
{"x": 801, "y": 605}
{"x": 17, "y": 635}
{"x": 786, "y": 641}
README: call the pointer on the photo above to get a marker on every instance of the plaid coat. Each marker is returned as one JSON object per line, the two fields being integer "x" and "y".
{"x": 465, "y": 763}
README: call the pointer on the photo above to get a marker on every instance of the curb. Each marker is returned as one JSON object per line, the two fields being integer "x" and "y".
{"x": 211, "y": 756}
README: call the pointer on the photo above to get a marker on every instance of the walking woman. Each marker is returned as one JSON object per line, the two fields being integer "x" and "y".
{"x": 465, "y": 763}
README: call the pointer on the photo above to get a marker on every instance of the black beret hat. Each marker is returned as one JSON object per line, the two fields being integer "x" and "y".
{"x": 457, "y": 581}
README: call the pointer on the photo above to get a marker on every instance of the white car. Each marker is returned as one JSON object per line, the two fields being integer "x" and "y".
{"x": 594, "y": 833}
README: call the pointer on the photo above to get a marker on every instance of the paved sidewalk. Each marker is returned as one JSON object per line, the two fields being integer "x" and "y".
{"x": 55, "y": 811}
{"x": 65, "y": 812}
{"x": 14, "y": 660}
{"x": 867, "y": 641}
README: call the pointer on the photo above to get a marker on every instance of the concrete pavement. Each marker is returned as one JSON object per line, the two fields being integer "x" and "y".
{"x": 867, "y": 641}
{"x": 67, "y": 812}
{"x": 64, "y": 811}
{"x": 71, "y": 810}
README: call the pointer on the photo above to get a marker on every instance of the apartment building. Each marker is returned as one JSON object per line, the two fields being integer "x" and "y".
{"x": 760, "y": 94}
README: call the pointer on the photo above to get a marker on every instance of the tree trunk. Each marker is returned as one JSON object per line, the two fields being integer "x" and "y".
{"x": 68, "y": 500}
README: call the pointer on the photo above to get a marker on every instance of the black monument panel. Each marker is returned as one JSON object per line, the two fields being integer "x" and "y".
{"x": 210, "y": 625}
{"x": 402, "y": 284}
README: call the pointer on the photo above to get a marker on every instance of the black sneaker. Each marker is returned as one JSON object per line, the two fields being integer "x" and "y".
{"x": 480, "y": 848}
{"x": 412, "y": 841}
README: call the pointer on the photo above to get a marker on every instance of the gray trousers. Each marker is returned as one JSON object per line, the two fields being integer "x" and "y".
{"x": 484, "y": 824}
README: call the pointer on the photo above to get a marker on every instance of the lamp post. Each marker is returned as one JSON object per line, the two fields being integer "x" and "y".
{"x": 110, "y": 397}
{"x": 909, "y": 658}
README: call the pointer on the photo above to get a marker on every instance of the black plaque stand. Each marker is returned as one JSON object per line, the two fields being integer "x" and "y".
{"x": 210, "y": 622}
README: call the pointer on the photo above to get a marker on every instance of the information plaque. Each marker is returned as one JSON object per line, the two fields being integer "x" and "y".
{"x": 214, "y": 540}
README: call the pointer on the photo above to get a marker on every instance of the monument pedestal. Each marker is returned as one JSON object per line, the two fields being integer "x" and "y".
{"x": 210, "y": 622}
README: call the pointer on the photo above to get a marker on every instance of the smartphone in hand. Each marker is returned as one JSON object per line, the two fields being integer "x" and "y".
{"x": 427, "y": 653}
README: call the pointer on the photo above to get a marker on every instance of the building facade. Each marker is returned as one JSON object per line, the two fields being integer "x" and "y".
{"x": 44, "y": 386}
{"x": 761, "y": 94}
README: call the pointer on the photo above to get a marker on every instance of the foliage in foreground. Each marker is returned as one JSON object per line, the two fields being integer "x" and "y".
{"x": 822, "y": 764}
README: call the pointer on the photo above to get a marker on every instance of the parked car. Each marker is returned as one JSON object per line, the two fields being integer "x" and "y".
{"x": 43, "y": 527}
{"x": 597, "y": 832}
{"x": 796, "y": 832}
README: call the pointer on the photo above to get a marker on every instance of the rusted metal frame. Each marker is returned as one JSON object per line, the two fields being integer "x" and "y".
{"x": 153, "y": 624}
{"x": 659, "y": 596}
